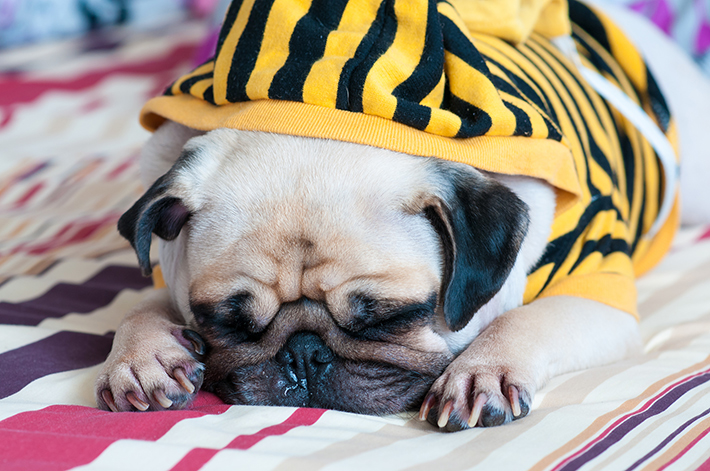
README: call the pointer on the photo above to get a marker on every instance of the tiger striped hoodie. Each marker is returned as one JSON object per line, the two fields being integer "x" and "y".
{"x": 478, "y": 82}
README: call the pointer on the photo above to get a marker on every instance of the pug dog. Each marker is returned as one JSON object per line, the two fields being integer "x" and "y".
{"x": 315, "y": 272}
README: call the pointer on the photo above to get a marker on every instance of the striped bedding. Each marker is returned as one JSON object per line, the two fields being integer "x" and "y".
{"x": 69, "y": 140}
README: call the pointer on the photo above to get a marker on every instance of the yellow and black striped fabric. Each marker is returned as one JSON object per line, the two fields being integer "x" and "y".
{"x": 409, "y": 75}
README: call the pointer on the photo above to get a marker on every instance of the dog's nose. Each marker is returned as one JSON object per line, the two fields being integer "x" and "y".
{"x": 306, "y": 356}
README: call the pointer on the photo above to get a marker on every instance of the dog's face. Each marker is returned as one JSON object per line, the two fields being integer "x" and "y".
{"x": 325, "y": 274}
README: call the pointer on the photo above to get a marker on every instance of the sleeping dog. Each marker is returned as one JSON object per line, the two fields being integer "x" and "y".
{"x": 393, "y": 207}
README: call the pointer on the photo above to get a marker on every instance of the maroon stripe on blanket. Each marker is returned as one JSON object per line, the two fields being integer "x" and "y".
{"x": 58, "y": 438}
{"x": 62, "y": 351}
{"x": 668, "y": 439}
{"x": 66, "y": 298}
{"x": 198, "y": 457}
{"x": 622, "y": 428}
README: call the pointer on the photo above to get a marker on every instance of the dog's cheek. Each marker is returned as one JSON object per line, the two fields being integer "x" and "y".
{"x": 248, "y": 385}
{"x": 375, "y": 388}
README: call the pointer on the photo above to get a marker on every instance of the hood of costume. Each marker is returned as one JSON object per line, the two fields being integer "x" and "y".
{"x": 473, "y": 81}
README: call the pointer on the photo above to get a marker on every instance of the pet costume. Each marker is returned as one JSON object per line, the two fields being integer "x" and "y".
{"x": 475, "y": 82}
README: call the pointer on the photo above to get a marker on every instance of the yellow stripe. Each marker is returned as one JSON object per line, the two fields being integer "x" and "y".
{"x": 625, "y": 54}
{"x": 436, "y": 96}
{"x": 275, "y": 45}
{"x": 199, "y": 88}
{"x": 398, "y": 62}
{"x": 536, "y": 281}
{"x": 321, "y": 85}
{"x": 561, "y": 99}
{"x": 223, "y": 63}
{"x": 441, "y": 122}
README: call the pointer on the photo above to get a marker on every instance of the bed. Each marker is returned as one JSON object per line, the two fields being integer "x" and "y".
{"x": 69, "y": 141}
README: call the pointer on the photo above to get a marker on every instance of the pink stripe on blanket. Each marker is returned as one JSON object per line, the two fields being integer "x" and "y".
{"x": 58, "y": 438}
{"x": 626, "y": 424}
{"x": 21, "y": 90}
{"x": 70, "y": 234}
{"x": 685, "y": 450}
{"x": 198, "y": 457}
{"x": 676, "y": 433}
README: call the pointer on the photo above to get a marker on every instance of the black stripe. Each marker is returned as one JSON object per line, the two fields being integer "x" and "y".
{"x": 603, "y": 161}
{"x": 541, "y": 99}
{"x": 362, "y": 66}
{"x": 522, "y": 87}
{"x": 474, "y": 121}
{"x": 306, "y": 46}
{"x": 362, "y": 51}
{"x": 208, "y": 96}
{"x": 229, "y": 20}
{"x": 629, "y": 161}
{"x": 578, "y": 132}
{"x": 658, "y": 102}
{"x": 412, "y": 114}
{"x": 557, "y": 250}
{"x": 187, "y": 84}
{"x": 605, "y": 246}
{"x": 597, "y": 61}
{"x": 585, "y": 17}
{"x": 571, "y": 72}
{"x": 458, "y": 44}
{"x": 523, "y": 126}
{"x": 169, "y": 90}
{"x": 247, "y": 52}
{"x": 505, "y": 86}
{"x": 427, "y": 74}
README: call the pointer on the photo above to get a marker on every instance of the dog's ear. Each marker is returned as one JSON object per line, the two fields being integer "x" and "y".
{"x": 156, "y": 212}
{"x": 481, "y": 224}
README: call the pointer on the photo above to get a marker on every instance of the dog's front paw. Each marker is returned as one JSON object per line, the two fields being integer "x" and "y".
{"x": 481, "y": 392}
{"x": 155, "y": 372}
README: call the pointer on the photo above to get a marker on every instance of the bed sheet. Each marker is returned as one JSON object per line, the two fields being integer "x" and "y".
{"x": 69, "y": 141}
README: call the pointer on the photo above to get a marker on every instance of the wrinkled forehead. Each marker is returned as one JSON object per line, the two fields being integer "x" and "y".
{"x": 252, "y": 169}
{"x": 283, "y": 203}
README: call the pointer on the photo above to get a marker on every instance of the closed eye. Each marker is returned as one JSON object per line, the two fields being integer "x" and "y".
{"x": 229, "y": 318}
{"x": 377, "y": 319}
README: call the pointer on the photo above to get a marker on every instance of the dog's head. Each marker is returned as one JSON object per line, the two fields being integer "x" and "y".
{"x": 321, "y": 273}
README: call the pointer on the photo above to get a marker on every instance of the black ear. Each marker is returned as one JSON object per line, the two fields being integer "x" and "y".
{"x": 156, "y": 212}
{"x": 482, "y": 225}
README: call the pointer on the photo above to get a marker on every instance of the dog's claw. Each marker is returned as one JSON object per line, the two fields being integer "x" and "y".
{"x": 426, "y": 406}
{"x": 137, "y": 403}
{"x": 162, "y": 399}
{"x": 198, "y": 343}
{"x": 181, "y": 378}
{"x": 478, "y": 404}
{"x": 445, "y": 414}
{"x": 108, "y": 399}
{"x": 514, "y": 401}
